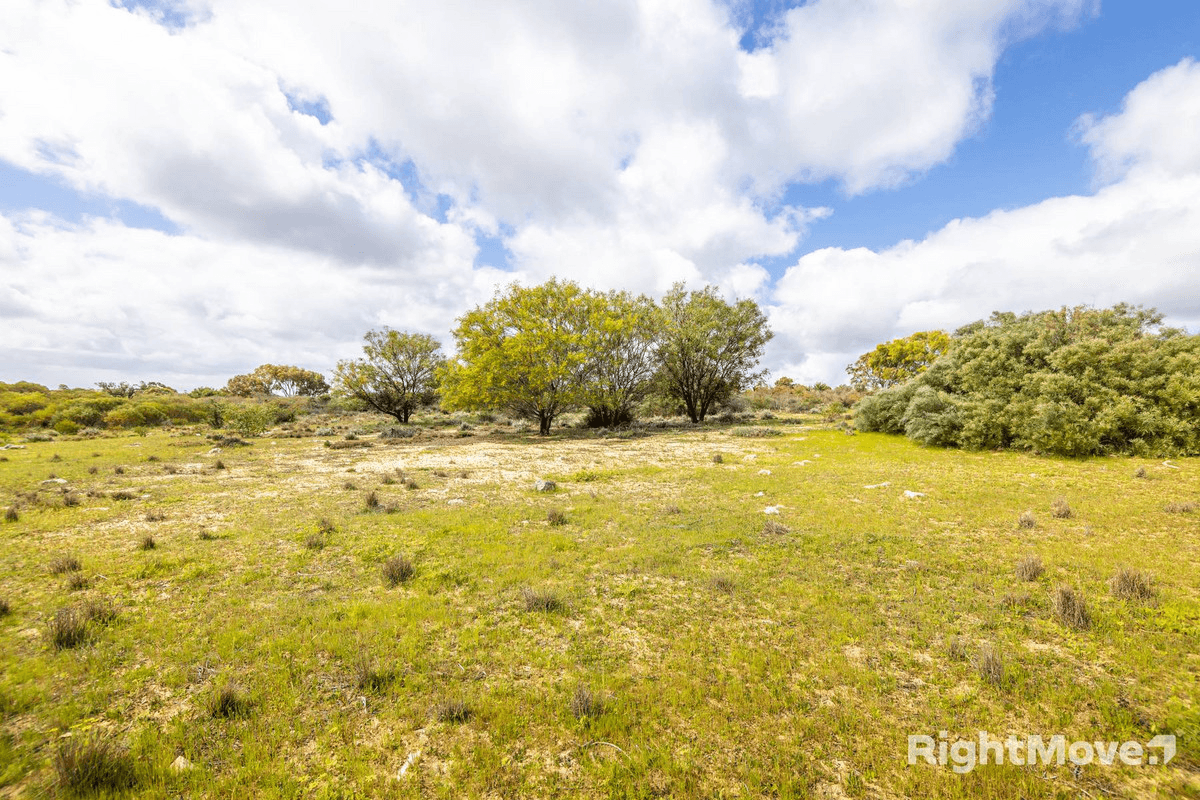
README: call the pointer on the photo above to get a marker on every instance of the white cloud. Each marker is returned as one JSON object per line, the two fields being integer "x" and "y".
{"x": 1135, "y": 240}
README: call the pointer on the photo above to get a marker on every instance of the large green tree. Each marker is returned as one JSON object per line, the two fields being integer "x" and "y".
{"x": 892, "y": 363}
{"x": 527, "y": 351}
{"x": 284, "y": 379}
{"x": 709, "y": 348}
{"x": 398, "y": 375}
{"x": 621, "y": 363}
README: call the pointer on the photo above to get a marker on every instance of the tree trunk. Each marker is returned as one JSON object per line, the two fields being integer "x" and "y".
{"x": 544, "y": 421}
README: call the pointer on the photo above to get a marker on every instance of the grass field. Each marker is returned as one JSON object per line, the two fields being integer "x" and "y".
{"x": 413, "y": 619}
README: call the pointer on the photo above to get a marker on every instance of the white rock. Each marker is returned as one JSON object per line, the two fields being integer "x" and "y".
{"x": 911, "y": 495}
{"x": 771, "y": 510}
{"x": 455, "y": 501}
{"x": 878, "y": 485}
{"x": 181, "y": 764}
{"x": 545, "y": 486}
{"x": 760, "y": 494}
{"x": 55, "y": 481}
{"x": 764, "y": 472}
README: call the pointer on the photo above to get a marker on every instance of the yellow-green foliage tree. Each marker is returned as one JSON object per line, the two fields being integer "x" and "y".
{"x": 624, "y": 340}
{"x": 709, "y": 348}
{"x": 398, "y": 375}
{"x": 892, "y": 363}
{"x": 527, "y": 351}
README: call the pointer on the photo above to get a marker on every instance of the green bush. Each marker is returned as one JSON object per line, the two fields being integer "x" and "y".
{"x": 66, "y": 427}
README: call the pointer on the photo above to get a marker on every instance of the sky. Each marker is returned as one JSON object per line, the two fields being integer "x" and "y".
{"x": 191, "y": 188}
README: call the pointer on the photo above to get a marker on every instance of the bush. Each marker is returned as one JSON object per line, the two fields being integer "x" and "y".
{"x": 1130, "y": 584}
{"x": 90, "y": 765}
{"x": 544, "y": 600}
{"x": 228, "y": 702}
{"x": 1071, "y": 608}
{"x": 67, "y": 629}
{"x": 1030, "y": 568}
{"x": 398, "y": 570}
{"x": 252, "y": 419}
{"x": 66, "y": 427}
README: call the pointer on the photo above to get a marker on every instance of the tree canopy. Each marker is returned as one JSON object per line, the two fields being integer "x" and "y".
{"x": 287, "y": 380}
{"x": 709, "y": 348}
{"x": 398, "y": 375}
{"x": 1076, "y": 381}
{"x": 894, "y": 362}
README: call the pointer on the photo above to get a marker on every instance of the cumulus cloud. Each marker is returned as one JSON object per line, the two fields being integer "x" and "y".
{"x": 1137, "y": 239}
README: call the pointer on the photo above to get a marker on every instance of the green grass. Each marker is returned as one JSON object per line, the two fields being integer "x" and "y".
{"x": 635, "y": 651}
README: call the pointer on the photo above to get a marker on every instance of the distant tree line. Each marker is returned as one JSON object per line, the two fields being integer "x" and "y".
{"x": 1076, "y": 381}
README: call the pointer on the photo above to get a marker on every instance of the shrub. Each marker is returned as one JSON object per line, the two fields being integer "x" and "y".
{"x": 544, "y": 600}
{"x": 251, "y": 420}
{"x": 990, "y": 665}
{"x": 90, "y": 765}
{"x": 1130, "y": 584}
{"x": 67, "y": 629}
{"x": 147, "y": 543}
{"x": 1060, "y": 509}
{"x": 396, "y": 432}
{"x": 453, "y": 710}
{"x": 1071, "y": 608}
{"x": 1026, "y": 520}
{"x": 67, "y": 427}
{"x": 77, "y": 581}
{"x": 12, "y": 515}
{"x": 397, "y": 570}
{"x": 585, "y": 704}
{"x": 1030, "y": 568}
{"x": 556, "y": 517}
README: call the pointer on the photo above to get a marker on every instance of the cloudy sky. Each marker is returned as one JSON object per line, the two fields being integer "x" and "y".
{"x": 190, "y": 188}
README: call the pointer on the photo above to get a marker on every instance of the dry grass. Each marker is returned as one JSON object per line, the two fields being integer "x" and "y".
{"x": 12, "y": 515}
{"x": 1071, "y": 608}
{"x": 454, "y": 710}
{"x": 990, "y": 665}
{"x": 147, "y": 543}
{"x": 1130, "y": 584}
{"x": 77, "y": 581}
{"x": 544, "y": 600}
{"x": 67, "y": 629}
{"x": 1060, "y": 508}
{"x": 228, "y": 702}
{"x": 1186, "y": 507}
{"x": 723, "y": 584}
{"x": 99, "y": 611}
{"x": 956, "y": 648}
{"x": 63, "y": 564}
{"x": 372, "y": 502}
{"x": 774, "y": 527}
{"x": 586, "y": 704}
{"x": 397, "y": 570}
{"x": 556, "y": 517}
{"x": 155, "y": 515}
{"x": 1027, "y": 520}
{"x": 1030, "y": 568}
{"x": 90, "y": 765}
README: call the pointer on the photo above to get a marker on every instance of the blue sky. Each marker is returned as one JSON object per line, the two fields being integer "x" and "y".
{"x": 184, "y": 195}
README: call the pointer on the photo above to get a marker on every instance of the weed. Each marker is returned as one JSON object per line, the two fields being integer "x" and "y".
{"x": 155, "y": 515}
{"x": 1026, "y": 520}
{"x": 369, "y": 676}
{"x": 219, "y": 465}
{"x": 1130, "y": 584}
{"x": 556, "y": 517}
{"x": 67, "y": 629}
{"x": 91, "y": 765}
{"x": 1060, "y": 509}
{"x": 774, "y": 527}
{"x": 147, "y": 543}
{"x": 990, "y": 665}
{"x": 12, "y": 515}
{"x": 1030, "y": 568}
{"x": 723, "y": 584}
{"x": 77, "y": 581}
{"x": 65, "y": 564}
{"x": 586, "y": 704}
{"x": 372, "y": 502}
{"x": 1179, "y": 508}
{"x": 453, "y": 710}
{"x": 397, "y": 570}
{"x": 956, "y": 648}
{"x": 544, "y": 600}
{"x": 1071, "y": 608}
{"x": 718, "y": 459}
{"x": 5, "y": 608}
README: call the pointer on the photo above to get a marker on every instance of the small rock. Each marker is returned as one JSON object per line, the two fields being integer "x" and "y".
{"x": 181, "y": 764}
{"x": 764, "y": 472}
{"x": 545, "y": 486}
{"x": 455, "y": 501}
{"x": 771, "y": 510}
{"x": 760, "y": 494}
{"x": 803, "y": 463}
{"x": 878, "y": 485}
{"x": 214, "y": 451}
{"x": 911, "y": 495}
{"x": 54, "y": 481}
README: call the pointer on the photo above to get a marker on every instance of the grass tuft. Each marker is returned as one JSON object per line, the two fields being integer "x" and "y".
{"x": 1180, "y": 508}
{"x": 723, "y": 584}
{"x": 5, "y": 608}
{"x": 397, "y": 570}
{"x": 372, "y": 502}
{"x": 990, "y": 665}
{"x": 1140, "y": 472}
{"x": 1071, "y": 608}
{"x": 718, "y": 459}
{"x": 586, "y": 704}
{"x": 91, "y": 765}
{"x": 1030, "y": 568}
{"x": 1130, "y": 584}
{"x": 956, "y": 648}
{"x": 101, "y": 612}
{"x": 77, "y": 581}
{"x": 155, "y": 515}
{"x": 1027, "y": 520}
{"x": 556, "y": 517}
{"x": 147, "y": 543}
{"x": 453, "y": 710}
{"x": 65, "y": 564}
{"x": 67, "y": 629}
{"x": 12, "y": 515}
{"x": 369, "y": 676}
{"x": 206, "y": 535}
{"x": 228, "y": 702}
{"x": 1060, "y": 509}
{"x": 774, "y": 527}
{"x": 544, "y": 600}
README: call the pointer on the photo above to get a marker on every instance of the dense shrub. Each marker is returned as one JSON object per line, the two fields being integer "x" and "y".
{"x": 1073, "y": 382}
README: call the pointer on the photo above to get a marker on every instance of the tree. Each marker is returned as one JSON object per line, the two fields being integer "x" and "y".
{"x": 528, "y": 350}
{"x": 398, "y": 375}
{"x": 624, "y": 332}
{"x": 290, "y": 381}
{"x": 894, "y": 362}
{"x": 709, "y": 348}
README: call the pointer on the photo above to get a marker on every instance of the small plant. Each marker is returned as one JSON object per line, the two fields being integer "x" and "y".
{"x": 410, "y": 484}
{"x": 152, "y": 458}
{"x": 219, "y": 465}
{"x": 90, "y": 765}
{"x": 718, "y": 459}
{"x": 1130, "y": 584}
{"x": 77, "y": 581}
{"x": 397, "y": 570}
{"x": 774, "y": 527}
{"x": 990, "y": 665}
{"x": 65, "y": 564}
{"x": 956, "y": 648}
{"x": 123, "y": 494}
{"x": 119, "y": 470}
{"x": 673, "y": 509}
{"x": 1180, "y": 508}
{"x": 1060, "y": 509}
{"x": 315, "y": 541}
{"x": 155, "y": 515}
{"x": 93, "y": 470}
{"x": 70, "y": 500}
{"x": 101, "y": 612}
{"x": 586, "y": 704}
{"x": 5, "y": 608}
{"x": 67, "y": 629}
{"x": 369, "y": 676}
{"x": 441, "y": 473}
{"x": 228, "y": 702}
{"x": 349, "y": 485}
{"x": 147, "y": 543}
{"x": 1071, "y": 608}
{"x": 11, "y": 515}
{"x": 56, "y": 457}
{"x": 388, "y": 480}
{"x": 1140, "y": 472}
{"x": 372, "y": 502}
{"x": 1026, "y": 520}
{"x": 723, "y": 584}
{"x": 206, "y": 535}
{"x": 453, "y": 710}
{"x": 1030, "y": 568}
{"x": 544, "y": 600}
{"x": 556, "y": 517}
